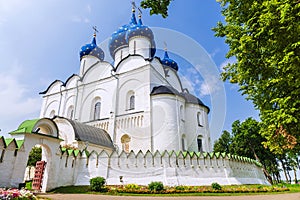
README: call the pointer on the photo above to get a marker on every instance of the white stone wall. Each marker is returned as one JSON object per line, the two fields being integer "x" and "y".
{"x": 172, "y": 168}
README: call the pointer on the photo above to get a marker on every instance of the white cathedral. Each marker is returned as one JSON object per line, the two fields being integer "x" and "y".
{"x": 130, "y": 122}
{"x": 138, "y": 100}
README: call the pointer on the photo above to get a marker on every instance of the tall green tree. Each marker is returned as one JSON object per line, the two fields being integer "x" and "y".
{"x": 245, "y": 140}
{"x": 223, "y": 143}
{"x": 263, "y": 36}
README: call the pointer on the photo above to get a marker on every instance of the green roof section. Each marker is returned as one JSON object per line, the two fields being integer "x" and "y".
{"x": 19, "y": 143}
{"x": 25, "y": 127}
{"x": 8, "y": 141}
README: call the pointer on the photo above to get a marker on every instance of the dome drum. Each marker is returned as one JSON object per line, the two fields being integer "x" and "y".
{"x": 140, "y": 46}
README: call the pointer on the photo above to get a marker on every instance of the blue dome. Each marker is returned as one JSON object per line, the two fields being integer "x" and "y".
{"x": 118, "y": 38}
{"x": 92, "y": 49}
{"x": 169, "y": 62}
{"x": 140, "y": 30}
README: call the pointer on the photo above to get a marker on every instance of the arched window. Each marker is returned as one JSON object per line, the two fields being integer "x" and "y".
{"x": 125, "y": 140}
{"x": 52, "y": 114}
{"x": 183, "y": 142}
{"x": 199, "y": 119}
{"x": 199, "y": 143}
{"x": 70, "y": 113}
{"x": 181, "y": 113}
{"x": 132, "y": 102}
{"x": 97, "y": 110}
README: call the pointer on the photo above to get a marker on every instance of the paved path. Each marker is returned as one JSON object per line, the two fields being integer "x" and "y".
{"x": 291, "y": 196}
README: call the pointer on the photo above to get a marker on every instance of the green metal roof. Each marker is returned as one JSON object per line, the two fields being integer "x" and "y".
{"x": 25, "y": 127}
{"x": 19, "y": 143}
{"x": 8, "y": 141}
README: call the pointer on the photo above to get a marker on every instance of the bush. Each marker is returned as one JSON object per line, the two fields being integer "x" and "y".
{"x": 98, "y": 184}
{"x": 132, "y": 187}
{"x": 156, "y": 186}
{"x": 216, "y": 186}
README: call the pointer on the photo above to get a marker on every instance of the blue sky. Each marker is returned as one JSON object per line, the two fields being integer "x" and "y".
{"x": 40, "y": 42}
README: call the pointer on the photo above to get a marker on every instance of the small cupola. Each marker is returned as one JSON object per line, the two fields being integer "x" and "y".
{"x": 91, "y": 49}
{"x": 168, "y": 62}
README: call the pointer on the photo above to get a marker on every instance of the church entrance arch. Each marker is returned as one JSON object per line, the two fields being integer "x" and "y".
{"x": 42, "y": 133}
{"x": 125, "y": 140}
{"x": 42, "y": 166}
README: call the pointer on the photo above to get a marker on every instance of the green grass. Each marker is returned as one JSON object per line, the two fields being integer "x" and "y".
{"x": 238, "y": 190}
{"x": 28, "y": 185}
{"x": 72, "y": 190}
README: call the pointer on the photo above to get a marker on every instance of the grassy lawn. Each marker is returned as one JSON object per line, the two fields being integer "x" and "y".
{"x": 185, "y": 190}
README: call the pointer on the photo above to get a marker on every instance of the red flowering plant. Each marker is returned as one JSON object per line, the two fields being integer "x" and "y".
{"x": 15, "y": 194}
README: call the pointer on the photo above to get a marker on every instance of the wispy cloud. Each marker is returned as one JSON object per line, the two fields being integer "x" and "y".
{"x": 15, "y": 98}
{"x": 209, "y": 86}
{"x": 88, "y": 8}
{"x": 226, "y": 62}
{"x": 215, "y": 51}
{"x": 201, "y": 84}
{"x": 79, "y": 19}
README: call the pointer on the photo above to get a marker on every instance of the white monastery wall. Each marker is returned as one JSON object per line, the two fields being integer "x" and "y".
{"x": 172, "y": 168}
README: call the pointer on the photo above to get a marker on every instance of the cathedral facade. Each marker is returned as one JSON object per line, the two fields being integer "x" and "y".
{"x": 130, "y": 121}
{"x": 138, "y": 99}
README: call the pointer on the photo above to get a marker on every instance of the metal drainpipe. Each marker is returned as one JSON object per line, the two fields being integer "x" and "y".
{"x": 116, "y": 105}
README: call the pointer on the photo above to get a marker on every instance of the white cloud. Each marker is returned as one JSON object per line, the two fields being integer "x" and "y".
{"x": 209, "y": 86}
{"x": 226, "y": 62}
{"x": 211, "y": 55}
{"x": 15, "y": 102}
{"x": 79, "y": 19}
{"x": 89, "y": 8}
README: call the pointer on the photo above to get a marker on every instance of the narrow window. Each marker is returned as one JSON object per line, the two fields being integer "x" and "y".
{"x": 131, "y": 102}
{"x": 70, "y": 112}
{"x": 134, "y": 47}
{"x": 97, "y": 109}
{"x": 181, "y": 113}
{"x": 199, "y": 119}
{"x": 183, "y": 142}
{"x": 52, "y": 114}
{"x": 199, "y": 142}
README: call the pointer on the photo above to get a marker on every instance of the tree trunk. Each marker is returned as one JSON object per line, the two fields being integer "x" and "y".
{"x": 284, "y": 170}
{"x": 295, "y": 175}
{"x": 290, "y": 179}
{"x": 266, "y": 173}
